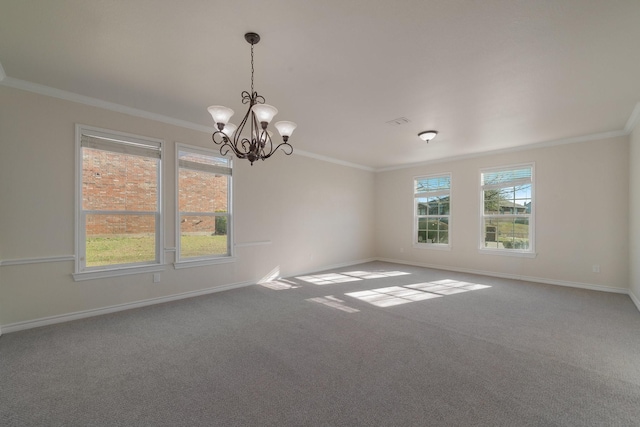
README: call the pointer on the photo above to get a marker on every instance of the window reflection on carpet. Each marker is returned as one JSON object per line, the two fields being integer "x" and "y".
{"x": 396, "y": 295}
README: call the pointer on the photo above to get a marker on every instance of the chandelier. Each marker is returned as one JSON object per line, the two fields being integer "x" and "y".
{"x": 256, "y": 143}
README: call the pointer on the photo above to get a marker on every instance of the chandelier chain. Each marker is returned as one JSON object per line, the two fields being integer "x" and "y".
{"x": 252, "y": 69}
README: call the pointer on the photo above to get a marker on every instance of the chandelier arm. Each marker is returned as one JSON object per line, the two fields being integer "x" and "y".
{"x": 238, "y": 140}
{"x": 246, "y": 97}
{"x": 271, "y": 150}
{"x": 246, "y": 145}
{"x": 223, "y": 142}
{"x": 225, "y": 146}
{"x": 284, "y": 145}
{"x": 256, "y": 130}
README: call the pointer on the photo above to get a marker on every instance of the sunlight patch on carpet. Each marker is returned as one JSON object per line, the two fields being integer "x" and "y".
{"x": 374, "y": 274}
{"x": 349, "y": 276}
{"x": 396, "y": 295}
{"x": 328, "y": 279}
{"x": 333, "y": 302}
{"x": 278, "y": 285}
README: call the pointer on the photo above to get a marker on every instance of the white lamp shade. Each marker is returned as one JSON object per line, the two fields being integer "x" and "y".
{"x": 229, "y": 129}
{"x": 220, "y": 114}
{"x": 285, "y": 128}
{"x": 264, "y": 112}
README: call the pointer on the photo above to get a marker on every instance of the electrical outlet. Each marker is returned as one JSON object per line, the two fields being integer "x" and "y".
{"x": 596, "y": 268}
{"x": 156, "y": 277}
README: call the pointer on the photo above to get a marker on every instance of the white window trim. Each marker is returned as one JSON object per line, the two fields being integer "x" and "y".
{"x": 81, "y": 273}
{"x": 528, "y": 253}
{"x": 435, "y": 246}
{"x": 208, "y": 259}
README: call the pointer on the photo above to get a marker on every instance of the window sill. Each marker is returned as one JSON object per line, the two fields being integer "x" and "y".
{"x": 202, "y": 262}
{"x": 504, "y": 252}
{"x": 436, "y": 246}
{"x": 124, "y": 271}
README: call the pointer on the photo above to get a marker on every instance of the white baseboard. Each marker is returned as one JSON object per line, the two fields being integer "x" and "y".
{"x": 19, "y": 326}
{"x": 635, "y": 299}
{"x": 512, "y": 276}
{"x": 44, "y": 321}
{"x": 331, "y": 267}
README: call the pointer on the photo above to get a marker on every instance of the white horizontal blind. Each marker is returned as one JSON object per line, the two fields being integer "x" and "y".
{"x": 220, "y": 170}
{"x": 433, "y": 186}
{"x": 200, "y": 160}
{"x": 506, "y": 178}
{"x": 147, "y": 149}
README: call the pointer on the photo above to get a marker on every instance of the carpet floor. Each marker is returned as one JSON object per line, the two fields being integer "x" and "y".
{"x": 375, "y": 344}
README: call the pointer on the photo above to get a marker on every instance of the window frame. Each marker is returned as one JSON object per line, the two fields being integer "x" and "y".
{"x": 81, "y": 271}
{"x": 530, "y": 252}
{"x": 212, "y": 258}
{"x": 416, "y": 216}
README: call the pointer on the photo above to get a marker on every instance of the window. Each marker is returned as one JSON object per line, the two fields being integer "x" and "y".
{"x": 507, "y": 209}
{"x": 118, "y": 199}
{"x": 204, "y": 201}
{"x": 432, "y": 204}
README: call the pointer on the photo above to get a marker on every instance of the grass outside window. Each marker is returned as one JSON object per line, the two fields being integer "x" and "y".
{"x": 115, "y": 250}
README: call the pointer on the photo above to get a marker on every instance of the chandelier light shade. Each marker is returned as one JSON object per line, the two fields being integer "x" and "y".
{"x": 220, "y": 114}
{"x": 229, "y": 129}
{"x": 285, "y": 129}
{"x": 264, "y": 112}
{"x": 250, "y": 140}
{"x": 428, "y": 135}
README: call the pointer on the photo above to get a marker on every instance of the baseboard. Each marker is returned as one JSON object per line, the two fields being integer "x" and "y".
{"x": 29, "y": 324}
{"x": 512, "y": 276}
{"x": 331, "y": 267}
{"x": 635, "y": 299}
{"x": 44, "y": 321}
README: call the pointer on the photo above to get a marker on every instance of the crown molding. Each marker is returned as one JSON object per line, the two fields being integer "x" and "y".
{"x": 544, "y": 144}
{"x": 632, "y": 123}
{"x": 333, "y": 160}
{"x": 634, "y": 119}
{"x": 94, "y": 102}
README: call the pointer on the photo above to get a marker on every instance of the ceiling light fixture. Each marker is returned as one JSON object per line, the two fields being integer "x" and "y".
{"x": 257, "y": 145}
{"x": 428, "y": 135}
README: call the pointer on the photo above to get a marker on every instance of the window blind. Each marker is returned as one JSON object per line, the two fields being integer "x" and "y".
{"x": 506, "y": 177}
{"x": 186, "y": 164}
{"x": 433, "y": 185}
{"x": 145, "y": 149}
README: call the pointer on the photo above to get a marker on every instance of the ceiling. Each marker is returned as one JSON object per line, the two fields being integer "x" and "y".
{"x": 488, "y": 75}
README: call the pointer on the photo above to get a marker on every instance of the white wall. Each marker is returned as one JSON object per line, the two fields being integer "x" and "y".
{"x": 634, "y": 215}
{"x": 581, "y": 217}
{"x": 312, "y": 213}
